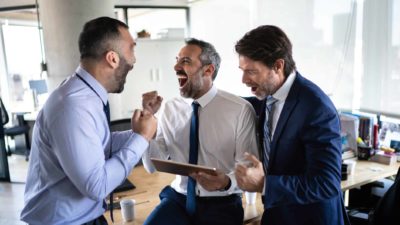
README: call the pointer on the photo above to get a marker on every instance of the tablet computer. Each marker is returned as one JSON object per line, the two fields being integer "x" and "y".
{"x": 178, "y": 168}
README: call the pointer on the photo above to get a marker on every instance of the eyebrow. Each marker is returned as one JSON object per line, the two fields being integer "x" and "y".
{"x": 185, "y": 57}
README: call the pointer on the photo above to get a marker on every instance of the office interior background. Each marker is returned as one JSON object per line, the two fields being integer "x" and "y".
{"x": 350, "y": 48}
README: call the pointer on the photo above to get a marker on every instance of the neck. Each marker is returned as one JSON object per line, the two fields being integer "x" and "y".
{"x": 97, "y": 71}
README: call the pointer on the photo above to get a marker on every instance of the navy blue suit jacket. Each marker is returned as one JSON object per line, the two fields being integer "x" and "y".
{"x": 304, "y": 173}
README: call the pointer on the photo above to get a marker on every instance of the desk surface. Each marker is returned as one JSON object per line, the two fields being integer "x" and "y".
{"x": 367, "y": 172}
{"x": 148, "y": 186}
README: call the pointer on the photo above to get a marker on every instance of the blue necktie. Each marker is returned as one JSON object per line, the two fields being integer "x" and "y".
{"x": 106, "y": 109}
{"x": 268, "y": 130}
{"x": 193, "y": 155}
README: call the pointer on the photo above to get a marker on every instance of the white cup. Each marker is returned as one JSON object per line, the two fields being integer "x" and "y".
{"x": 351, "y": 166}
{"x": 128, "y": 209}
{"x": 250, "y": 197}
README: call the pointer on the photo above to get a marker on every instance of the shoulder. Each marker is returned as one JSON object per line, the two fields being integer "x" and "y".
{"x": 72, "y": 99}
{"x": 229, "y": 98}
{"x": 231, "y": 104}
{"x": 311, "y": 93}
{"x": 313, "y": 103}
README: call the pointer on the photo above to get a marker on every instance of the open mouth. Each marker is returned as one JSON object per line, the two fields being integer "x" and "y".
{"x": 253, "y": 89}
{"x": 182, "y": 79}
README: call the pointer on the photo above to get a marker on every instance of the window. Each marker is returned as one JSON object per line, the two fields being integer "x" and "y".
{"x": 155, "y": 22}
{"x": 22, "y": 60}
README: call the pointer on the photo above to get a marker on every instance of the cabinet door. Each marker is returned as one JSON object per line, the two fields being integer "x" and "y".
{"x": 153, "y": 70}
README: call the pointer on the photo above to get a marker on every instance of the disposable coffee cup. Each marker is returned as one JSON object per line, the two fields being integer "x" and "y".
{"x": 128, "y": 209}
{"x": 250, "y": 197}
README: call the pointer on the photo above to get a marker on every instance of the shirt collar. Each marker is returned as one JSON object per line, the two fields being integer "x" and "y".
{"x": 283, "y": 91}
{"x": 206, "y": 98}
{"x": 100, "y": 90}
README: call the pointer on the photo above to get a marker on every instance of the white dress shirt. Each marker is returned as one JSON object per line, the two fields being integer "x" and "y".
{"x": 70, "y": 172}
{"x": 226, "y": 131}
{"x": 281, "y": 95}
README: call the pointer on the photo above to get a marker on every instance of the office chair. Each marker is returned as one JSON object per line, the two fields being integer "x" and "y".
{"x": 121, "y": 125}
{"x": 386, "y": 211}
{"x": 21, "y": 129}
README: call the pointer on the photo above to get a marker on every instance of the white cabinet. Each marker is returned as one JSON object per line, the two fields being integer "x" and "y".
{"x": 153, "y": 70}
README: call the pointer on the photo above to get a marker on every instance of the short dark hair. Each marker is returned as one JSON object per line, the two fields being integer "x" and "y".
{"x": 267, "y": 44}
{"x": 97, "y": 36}
{"x": 208, "y": 54}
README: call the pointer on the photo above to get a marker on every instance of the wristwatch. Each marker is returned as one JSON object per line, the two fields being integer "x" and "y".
{"x": 227, "y": 186}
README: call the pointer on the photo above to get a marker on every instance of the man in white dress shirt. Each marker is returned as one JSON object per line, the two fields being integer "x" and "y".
{"x": 226, "y": 131}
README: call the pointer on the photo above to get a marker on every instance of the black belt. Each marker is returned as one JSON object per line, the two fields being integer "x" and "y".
{"x": 221, "y": 199}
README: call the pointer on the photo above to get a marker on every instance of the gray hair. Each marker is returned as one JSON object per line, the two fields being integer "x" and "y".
{"x": 208, "y": 54}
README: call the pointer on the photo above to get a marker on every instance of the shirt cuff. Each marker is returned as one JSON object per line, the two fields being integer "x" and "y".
{"x": 233, "y": 186}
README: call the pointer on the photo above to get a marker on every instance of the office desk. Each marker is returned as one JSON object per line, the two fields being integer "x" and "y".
{"x": 150, "y": 185}
{"x": 367, "y": 172}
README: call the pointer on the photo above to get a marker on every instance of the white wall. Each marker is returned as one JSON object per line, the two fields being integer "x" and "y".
{"x": 317, "y": 29}
{"x": 223, "y": 23}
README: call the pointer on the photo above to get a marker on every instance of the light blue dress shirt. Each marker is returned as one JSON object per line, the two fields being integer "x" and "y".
{"x": 70, "y": 173}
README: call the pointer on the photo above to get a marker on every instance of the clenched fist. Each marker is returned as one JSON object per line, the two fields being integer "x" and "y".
{"x": 151, "y": 101}
{"x": 144, "y": 123}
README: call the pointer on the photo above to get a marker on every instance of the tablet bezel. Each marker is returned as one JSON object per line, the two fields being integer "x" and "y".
{"x": 178, "y": 168}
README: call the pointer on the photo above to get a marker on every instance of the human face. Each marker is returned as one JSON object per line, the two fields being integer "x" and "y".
{"x": 126, "y": 60}
{"x": 262, "y": 80}
{"x": 193, "y": 82}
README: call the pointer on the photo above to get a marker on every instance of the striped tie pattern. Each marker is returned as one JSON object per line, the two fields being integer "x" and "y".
{"x": 268, "y": 129}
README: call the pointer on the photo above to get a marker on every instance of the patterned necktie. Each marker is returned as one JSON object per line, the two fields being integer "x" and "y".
{"x": 269, "y": 111}
{"x": 193, "y": 155}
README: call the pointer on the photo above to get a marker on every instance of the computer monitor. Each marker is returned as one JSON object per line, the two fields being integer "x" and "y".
{"x": 39, "y": 86}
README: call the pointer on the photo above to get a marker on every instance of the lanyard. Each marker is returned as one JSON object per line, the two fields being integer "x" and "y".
{"x": 106, "y": 107}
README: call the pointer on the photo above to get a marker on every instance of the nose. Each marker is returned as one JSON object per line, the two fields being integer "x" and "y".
{"x": 177, "y": 66}
{"x": 245, "y": 79}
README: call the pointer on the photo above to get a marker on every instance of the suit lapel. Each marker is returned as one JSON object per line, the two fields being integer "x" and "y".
{"x": 289, "y": 106}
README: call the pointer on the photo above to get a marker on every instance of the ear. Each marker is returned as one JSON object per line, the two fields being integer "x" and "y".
{"x": 112, "y": 58}
{"x": 209, "y": 70}
{"x": 279, "y": 65}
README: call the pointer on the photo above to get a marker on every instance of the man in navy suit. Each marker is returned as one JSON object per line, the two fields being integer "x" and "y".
{"x": 299, "y": 133}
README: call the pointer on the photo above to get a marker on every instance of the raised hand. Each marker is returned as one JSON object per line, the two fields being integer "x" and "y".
{"x": 151, "y": 101}
{"x": 144, "y": 123}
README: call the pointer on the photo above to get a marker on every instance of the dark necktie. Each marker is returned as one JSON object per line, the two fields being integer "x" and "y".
{"x": 268, "y": 129}
{"x": 106, "y": 109}
{"x": 193, "y": 155}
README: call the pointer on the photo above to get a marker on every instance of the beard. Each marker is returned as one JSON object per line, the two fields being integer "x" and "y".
{"x": 192, "y": 86}
{"x": 120, "y": 74}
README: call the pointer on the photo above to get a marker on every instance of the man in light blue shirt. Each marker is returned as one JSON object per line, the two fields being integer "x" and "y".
{"x": 75, "y": 161}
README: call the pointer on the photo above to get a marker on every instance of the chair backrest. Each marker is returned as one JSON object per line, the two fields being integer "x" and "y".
{"x": 387, "y": 210}
{"x": 3, "y": 113}
{"x": 120, "y": 125}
